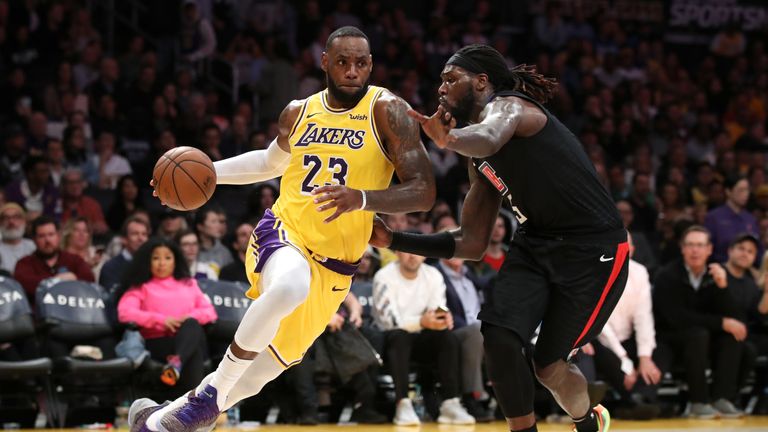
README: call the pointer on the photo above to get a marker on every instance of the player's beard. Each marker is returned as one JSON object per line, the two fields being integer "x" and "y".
{"x": 346, "y": 98}
{"x": 463, "y": 108}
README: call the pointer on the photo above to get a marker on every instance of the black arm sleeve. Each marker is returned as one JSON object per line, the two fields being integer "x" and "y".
{"x": 441, "y": 245}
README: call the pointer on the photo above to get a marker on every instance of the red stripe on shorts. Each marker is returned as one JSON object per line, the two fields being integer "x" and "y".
{"x": 621, "y": 255}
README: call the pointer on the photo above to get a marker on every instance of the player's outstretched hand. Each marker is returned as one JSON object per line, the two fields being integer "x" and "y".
{"x": 154, "y": 191}
{"x": 436, "y": 126}
{"x": 340, "y": 197}
{"x": 381, "y": 236}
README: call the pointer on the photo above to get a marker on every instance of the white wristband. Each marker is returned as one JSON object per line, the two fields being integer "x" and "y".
{"x": 365, "y": 200}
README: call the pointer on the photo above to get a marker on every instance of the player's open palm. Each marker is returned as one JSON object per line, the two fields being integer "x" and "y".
{"x": 436, "y": 126}
{"x": 338, "y": 197}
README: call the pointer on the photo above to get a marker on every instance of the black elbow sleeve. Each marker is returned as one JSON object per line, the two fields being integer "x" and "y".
{"x": 441, "y": 245}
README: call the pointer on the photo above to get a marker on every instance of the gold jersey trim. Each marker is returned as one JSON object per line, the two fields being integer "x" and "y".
{"x": 327, "y": 106}
{"x": 299, "y": 118}
{"x": 373, "y": 125}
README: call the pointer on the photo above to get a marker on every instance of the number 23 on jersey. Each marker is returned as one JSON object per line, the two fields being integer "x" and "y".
{"x": 313, "y": 164}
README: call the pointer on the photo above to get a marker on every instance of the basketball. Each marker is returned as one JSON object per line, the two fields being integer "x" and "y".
{"x": 184, "y": 178}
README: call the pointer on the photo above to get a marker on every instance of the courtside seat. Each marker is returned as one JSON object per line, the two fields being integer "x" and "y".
{"x": 74, "y": 312}
{"x": 21, "y": 379}
{"x": 19, "y": 370}
{"x": 101, "y": 367}
{"x": 230, "y": 302}
{"x": 77, "y": 330}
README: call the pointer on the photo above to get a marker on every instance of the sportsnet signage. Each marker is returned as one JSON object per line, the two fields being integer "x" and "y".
{"x": 713, "y": 15}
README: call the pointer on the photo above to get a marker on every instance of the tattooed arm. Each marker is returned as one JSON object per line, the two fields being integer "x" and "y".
{"x": 416, "y": 191}
{"x": 400, "y": 133}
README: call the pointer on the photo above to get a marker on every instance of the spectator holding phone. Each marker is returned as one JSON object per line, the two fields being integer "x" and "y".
{"x": 409, "y": 305}
{"x": 463, "y": 299}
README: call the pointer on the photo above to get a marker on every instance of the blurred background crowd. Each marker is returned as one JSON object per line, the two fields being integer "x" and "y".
{"x": 668, "y": 99}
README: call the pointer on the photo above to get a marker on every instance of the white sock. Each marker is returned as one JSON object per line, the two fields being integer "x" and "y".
{"x": 226, "y": 375}
{"x": 263, "y": 370}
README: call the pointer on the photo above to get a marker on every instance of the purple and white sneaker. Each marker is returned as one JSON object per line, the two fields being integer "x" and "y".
{"x": 199, "y": 412}
{"x": 140, "y": 411}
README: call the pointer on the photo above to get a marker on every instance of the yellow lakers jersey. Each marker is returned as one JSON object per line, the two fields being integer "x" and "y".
{"x": 332, "y": 146}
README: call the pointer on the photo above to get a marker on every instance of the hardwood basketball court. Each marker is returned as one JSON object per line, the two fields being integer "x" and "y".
{"x": 749, "y": 424}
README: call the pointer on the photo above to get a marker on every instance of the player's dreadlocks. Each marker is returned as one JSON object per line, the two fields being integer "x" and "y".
{"x": 521, "y": 78}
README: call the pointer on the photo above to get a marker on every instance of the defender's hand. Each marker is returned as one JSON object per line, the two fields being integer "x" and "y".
{"x": 154, "y": 191}
{"x": 436, "y": 126}
{"x": 381, "y": 236}
{"x": 341, "y": 197}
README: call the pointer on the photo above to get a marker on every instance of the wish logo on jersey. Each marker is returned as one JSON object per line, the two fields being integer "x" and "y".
{"x": 333, "y": 136}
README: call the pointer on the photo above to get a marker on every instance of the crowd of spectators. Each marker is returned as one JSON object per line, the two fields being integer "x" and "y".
{"x": 676, "y": 133}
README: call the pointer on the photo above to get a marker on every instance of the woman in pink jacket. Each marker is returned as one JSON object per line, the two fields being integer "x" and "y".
{"x": 169, "y": 309}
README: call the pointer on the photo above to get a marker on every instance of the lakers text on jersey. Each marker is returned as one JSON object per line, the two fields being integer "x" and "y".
{"x": 331, "y": 146}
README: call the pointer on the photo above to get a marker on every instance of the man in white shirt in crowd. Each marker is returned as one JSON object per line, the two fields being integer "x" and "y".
{"x": 624, "y": 351}
{"x": 409, "y": 305}
{"x": 14, "y": 246}
{"x": 463, "y": 300}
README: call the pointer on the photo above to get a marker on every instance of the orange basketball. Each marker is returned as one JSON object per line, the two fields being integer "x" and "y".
{"x": 184, "y": 178}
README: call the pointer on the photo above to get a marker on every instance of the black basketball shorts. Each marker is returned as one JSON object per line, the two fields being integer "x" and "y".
{"x": 569, "y": 286}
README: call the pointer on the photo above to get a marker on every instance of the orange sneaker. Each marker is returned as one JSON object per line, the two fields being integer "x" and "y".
{"x": 603, "y": 419}
{"x": 171, "y": 371}
{"x": 169, "y": 376}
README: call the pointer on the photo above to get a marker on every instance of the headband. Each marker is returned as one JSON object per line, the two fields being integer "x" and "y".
{"x": 466, "y": 63}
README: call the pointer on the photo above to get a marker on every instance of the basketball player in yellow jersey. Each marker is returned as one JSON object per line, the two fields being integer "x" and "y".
{"x": 336, "y": 152}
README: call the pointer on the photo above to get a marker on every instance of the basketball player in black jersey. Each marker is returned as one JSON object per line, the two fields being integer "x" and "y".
{"x": 567, "y": 264}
